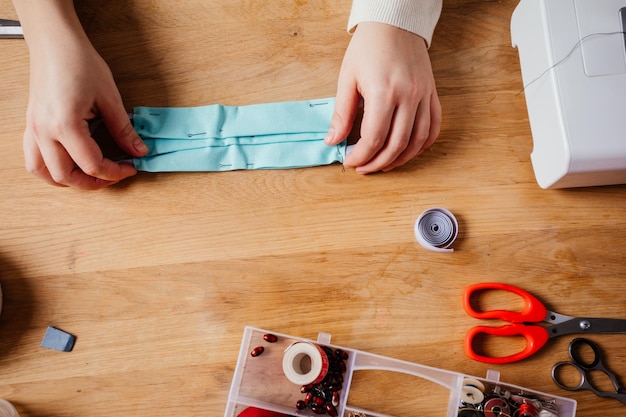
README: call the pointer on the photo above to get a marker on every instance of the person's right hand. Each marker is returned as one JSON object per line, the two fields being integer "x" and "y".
{"x": 390, "y": 70}
{"x": 70, "y": 84}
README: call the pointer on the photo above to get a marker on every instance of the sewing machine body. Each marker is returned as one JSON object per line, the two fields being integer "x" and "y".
{"x": 573, "y": 62}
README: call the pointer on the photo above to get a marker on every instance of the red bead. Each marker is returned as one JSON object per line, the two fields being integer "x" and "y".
{"x": 318, "y": 409}
{"x": 332, "y": 411}
{"x": 308, "y": 397}
{"x": 334, "y": 387}
{"x": 257, "y": 351}
{"x": 300, "y": 405}
{"x": 270, "y": 338}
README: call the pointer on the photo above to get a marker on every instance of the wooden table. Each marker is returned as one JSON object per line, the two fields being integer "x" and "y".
{"x": 158, "y": 276}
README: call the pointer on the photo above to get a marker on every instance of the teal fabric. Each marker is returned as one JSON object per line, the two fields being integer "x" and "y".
{"x": 224, "y": 138}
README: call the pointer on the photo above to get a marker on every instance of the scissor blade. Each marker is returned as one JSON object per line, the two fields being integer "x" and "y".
{"x": 10, "y": 29}
{"x": 579, "y": 325}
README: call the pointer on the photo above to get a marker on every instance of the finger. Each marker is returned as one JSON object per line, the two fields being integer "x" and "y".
{"x": 346, "y": 107}
{"x": 34, "y": 161}
{"x": 435, "y": 122}
{"x": 121, "y": 129}
{"x": 87, "y": 155}
{"x": 425, "y": 132}
{"x": 418, "y": 137}
{"x": 76, "y": 149}
{"x": 400, "y": 140}
{"x": 65, "y": 172}
{"x": 375, "y": 126}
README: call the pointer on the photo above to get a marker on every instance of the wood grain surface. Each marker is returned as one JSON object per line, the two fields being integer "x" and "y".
{"x": 158, "y": 276}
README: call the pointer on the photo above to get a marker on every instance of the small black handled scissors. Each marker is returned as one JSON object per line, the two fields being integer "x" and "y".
{"x": 10, "y": 29}
{"x": 584, "y": 369}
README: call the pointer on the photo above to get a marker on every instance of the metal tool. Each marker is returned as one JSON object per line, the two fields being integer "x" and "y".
{"x": 535, "y": 323}
{"x": 584, "y": 369}
{"x": 10, "y": 29}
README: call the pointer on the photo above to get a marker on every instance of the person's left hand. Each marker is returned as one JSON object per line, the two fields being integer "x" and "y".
{"x": 390, "y": 69}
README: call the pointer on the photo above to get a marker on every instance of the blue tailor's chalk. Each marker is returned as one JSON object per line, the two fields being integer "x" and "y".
{"x": 58, "y": 340}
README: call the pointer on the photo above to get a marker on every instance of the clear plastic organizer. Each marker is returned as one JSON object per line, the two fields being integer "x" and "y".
{"x": 300, "y": 377}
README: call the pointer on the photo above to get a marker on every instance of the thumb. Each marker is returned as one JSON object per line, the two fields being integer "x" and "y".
{"x": 122, "y": 130}
{"x": 346, "y": 107}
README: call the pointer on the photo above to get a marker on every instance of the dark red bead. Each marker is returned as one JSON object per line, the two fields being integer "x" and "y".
{"x": 270, "y": 338}
{"x": 335, "y": 387}
{"x": 335, "y": 400}
{"x": 318, "y": 409}
{"x": 300, "y": 405}
{"x": 257, "y": 351}
{"x": 308, "y": 397}
{"x": 306, "y": 388}
{"x": 319, "y": 400}
{"x": 332, "y": 411}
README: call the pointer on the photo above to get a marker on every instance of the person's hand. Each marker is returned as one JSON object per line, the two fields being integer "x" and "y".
{"x": 70, "y": 84}
{"x": 389, "y": 68}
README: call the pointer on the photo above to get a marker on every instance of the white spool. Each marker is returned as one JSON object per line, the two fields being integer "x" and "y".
{"x": 305, "y": 363}
{"x": 474, "y": 383}
{"x": 471, "y": 395}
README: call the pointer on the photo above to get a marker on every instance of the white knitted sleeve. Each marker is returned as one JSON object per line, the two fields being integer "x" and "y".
{"x": 417, "y": 16}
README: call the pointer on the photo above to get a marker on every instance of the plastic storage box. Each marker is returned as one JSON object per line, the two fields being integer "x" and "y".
{"x": 301, "y": 377}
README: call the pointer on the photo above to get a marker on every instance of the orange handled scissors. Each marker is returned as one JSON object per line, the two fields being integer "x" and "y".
{"x": 535, "y": 323}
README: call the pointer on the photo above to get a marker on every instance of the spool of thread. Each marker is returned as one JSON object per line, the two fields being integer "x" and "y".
{"x": 496, "y": 407}
{"x": 469, "y": 412}
{"x": 474, "y": 383}
{"x": 526, "y": 410}
{"x": 471, "y": 395}
{"x": 436, "y": 229}
{"x": 472, "y": 391}
{"x": 305, "y": 363}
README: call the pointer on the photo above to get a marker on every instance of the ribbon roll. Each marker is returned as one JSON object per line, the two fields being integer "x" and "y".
{"x": 305, "y": 363}
{"x": 436, "y": 229}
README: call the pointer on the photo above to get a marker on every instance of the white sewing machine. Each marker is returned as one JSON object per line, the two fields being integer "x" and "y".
{"x": 573, "y": 61}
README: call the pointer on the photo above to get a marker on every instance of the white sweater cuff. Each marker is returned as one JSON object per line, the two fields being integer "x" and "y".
{"x": 417, "y": 16}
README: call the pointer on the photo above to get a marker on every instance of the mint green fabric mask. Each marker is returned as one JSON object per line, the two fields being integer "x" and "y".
{"x": 223, "y": 138}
